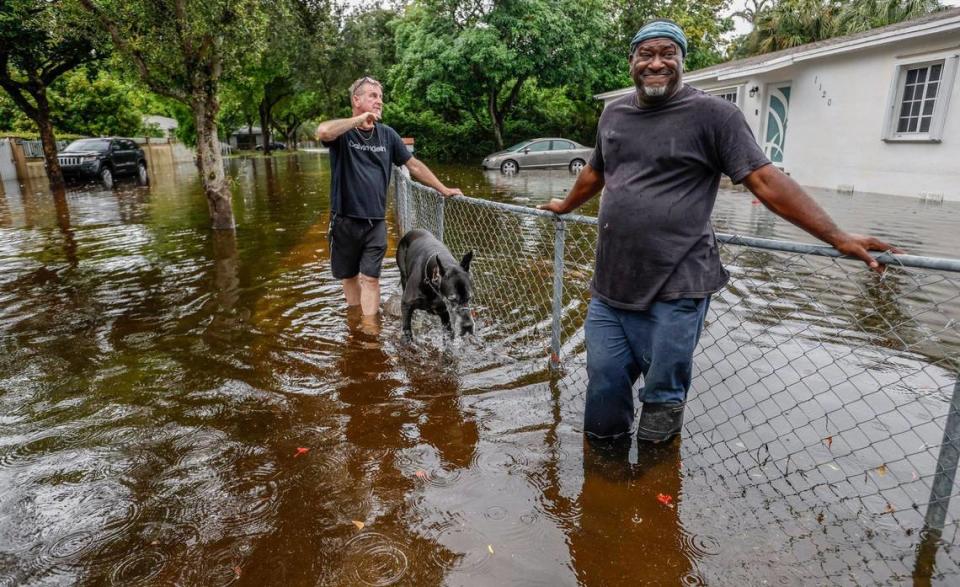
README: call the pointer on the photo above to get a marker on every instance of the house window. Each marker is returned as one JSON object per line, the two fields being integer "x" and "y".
{"x": 919, "y": 98}
{"x": 728, "y": 95}
{"x": 921, "y": 94}
{"x": 731, "y": 95}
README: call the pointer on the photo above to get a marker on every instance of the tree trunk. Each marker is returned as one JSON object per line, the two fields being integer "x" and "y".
{"x": 265, "y": 124}
{"x": 210, "y": 160}
{"x": 49, "y": 141}
{"x": 497, "y": 119}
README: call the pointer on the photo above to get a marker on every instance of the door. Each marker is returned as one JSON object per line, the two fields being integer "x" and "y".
{"x": 775, "y": 133}
{"x": 561, "y": 153}
{"x": 536, "y": 155}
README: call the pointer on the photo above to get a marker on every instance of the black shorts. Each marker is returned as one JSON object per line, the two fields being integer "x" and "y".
{"x": 357, "y": 245}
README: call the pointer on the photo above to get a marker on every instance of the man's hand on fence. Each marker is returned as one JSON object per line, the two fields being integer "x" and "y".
{"x": 555, "y": 205}
{"x": 447, "y": 192}
{"x": 858, "y": 245}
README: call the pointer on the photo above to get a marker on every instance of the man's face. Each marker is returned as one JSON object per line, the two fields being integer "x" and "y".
{"x": 656, "y": 67}
{"x": 368, "y": 97}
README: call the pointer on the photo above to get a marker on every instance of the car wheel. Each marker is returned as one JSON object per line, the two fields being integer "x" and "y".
{"x": 577, "y": 165}
{"x": 509, "y": 166}
{"x": 143, "y": 178}
{"x": 106, "y": 177}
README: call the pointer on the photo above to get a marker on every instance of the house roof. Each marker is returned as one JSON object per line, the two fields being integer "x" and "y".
{"x": 936, "y": 22}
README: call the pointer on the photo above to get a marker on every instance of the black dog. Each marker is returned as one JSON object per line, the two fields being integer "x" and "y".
{"x": 433, "y": 281}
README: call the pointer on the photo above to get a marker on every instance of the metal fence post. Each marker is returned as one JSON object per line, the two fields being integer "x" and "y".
{"x": 559, "y": 238}
{"x": 946, "y": 466}
{"x": 440, "y": 206}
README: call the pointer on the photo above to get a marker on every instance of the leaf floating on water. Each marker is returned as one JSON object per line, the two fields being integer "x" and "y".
{"x": 358, "y": 524}
{"x": 301, "y": 451}
{"x": 882, "y": 470}
{"x": 421, "y": 474}
{"x": 665, "y": 499}
{"x": 889, "y": 509}
{"x": 490, "y": 548}
{"x": 828, "y": 441}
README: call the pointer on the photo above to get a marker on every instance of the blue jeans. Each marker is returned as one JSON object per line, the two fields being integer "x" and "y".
{"x": 657, "y": 343}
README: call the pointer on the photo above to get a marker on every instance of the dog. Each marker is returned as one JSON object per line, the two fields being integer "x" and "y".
{"x": 433, "y": 281}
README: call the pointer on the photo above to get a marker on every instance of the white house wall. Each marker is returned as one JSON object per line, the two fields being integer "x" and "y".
{"x": 838, "y": 106}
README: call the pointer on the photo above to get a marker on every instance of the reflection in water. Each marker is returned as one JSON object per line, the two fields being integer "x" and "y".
{"x": 157, "y": 381}
{"x": 629, "y": 530}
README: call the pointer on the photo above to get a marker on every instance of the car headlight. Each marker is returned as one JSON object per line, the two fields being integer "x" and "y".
{"x": 88, "y": 158}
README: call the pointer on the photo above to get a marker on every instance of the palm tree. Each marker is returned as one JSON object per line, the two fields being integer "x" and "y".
{"x": 752, "y": 13}
{"x": 862, "y": 15}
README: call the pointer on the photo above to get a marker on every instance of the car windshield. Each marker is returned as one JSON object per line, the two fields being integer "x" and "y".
{"x": 519, "y": 146}
{"x": 100, "y": 145}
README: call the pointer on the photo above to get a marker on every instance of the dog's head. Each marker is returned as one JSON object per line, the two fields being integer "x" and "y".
{"x": 455, "y": 288}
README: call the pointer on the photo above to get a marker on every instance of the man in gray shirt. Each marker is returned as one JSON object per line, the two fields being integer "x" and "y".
{"x": 659, "y": 156}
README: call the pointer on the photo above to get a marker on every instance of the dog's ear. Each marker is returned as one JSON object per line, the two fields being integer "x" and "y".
{"x": 465, "y": 262}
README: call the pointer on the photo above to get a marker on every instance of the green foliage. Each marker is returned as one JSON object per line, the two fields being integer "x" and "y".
{"x": 95, "y": 104}
{"x": 791, "y": 23}
{"x": 467, "y": 60}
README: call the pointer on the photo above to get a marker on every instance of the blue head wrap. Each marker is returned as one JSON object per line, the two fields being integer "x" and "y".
{"x": 660, "y": 29}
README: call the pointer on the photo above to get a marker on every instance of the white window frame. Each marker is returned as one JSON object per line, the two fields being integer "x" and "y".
{"x": 941, "y": 105}
{"x": 726, "y": 90}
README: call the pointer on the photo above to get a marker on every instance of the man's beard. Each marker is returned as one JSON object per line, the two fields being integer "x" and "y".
{"x": 654, "y": 91}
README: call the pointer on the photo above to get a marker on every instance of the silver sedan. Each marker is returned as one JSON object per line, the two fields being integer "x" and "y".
{"x": 540, "y": 154}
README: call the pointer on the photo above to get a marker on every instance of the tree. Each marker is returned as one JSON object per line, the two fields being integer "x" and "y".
{"x": 791, "y": 23}
{"x": 468, "y": 57}
{"x": 181, "y": 49}
{"x": 40, "y": 41}
{"x": 863, "y": 15}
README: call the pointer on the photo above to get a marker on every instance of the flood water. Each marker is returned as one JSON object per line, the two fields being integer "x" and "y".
{"x": 179, "y": 406}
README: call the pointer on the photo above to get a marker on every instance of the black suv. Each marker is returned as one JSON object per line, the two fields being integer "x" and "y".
{"x": 103, "y": 160}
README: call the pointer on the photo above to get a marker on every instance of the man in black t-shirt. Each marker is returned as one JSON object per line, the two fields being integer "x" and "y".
{"x": 363, "y": 152}
{"x": 659, "y": 156}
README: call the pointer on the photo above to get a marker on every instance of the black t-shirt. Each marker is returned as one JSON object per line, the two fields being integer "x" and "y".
{"x": 361, "y": 163}
{"x": 661, "y": 168}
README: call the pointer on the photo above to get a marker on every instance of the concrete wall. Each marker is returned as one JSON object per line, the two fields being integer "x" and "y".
{"x": 838, "y": 108}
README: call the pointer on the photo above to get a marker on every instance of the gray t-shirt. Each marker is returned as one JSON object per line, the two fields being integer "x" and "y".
{"x": 360, "y": 167}
{"x": 661, "y": 167}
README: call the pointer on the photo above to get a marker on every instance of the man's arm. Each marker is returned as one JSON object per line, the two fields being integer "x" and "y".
{"x": 785, "y": 198}
{"x": 588, "y": 184}
{"x": 421, "y": 172}
{"x": 331, "y": 129}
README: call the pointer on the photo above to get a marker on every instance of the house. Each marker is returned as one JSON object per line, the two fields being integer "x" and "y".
{"x": 877, "y": 111}
{"x": 165, "y": 124}
{"x": 247, "y": 138}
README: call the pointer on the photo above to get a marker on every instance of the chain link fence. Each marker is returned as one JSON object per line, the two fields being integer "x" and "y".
{"x": 825, "y": 393}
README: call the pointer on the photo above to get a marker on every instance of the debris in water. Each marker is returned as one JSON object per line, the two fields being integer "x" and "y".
{"x": 301, "y": 451}
{"x": 882, "y": 470}
{"x": 358, "y": 524}
{"x": 421, "y": 474}
{"x": 236, "y": 571}
{"x": 665, "y": 499}
{"x": 490, "y": 548}
{"x": 828, "y": 441}
{"x": 889, "y": 509}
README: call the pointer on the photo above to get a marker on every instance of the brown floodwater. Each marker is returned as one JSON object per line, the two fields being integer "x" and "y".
{"x": 179, "y": 406}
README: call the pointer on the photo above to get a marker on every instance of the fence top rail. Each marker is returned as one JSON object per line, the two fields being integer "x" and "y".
{"x": 914, "y": 261}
